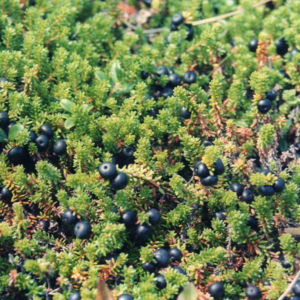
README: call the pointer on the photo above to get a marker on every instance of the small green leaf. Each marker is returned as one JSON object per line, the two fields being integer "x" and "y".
{"x": 116, "y": 73}
{"x": 2, "y": 135}
{"x": 69, "y": 124}
{"x": 15, "y": 131}
{"x": 101, "y": 76}
{"x": 66, "y": 104}
{"x": 122, "y": 89}
{"x": 189, "y": 292}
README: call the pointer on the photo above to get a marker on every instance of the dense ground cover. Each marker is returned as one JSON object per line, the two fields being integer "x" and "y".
{"x": 149, "y": 158}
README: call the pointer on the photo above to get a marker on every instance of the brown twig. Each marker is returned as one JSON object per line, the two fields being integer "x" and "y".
{"x": 289, "y": 288}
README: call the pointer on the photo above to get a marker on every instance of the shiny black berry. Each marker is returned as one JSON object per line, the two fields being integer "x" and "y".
{"x": 220, "y": 215}
{"x": 219, "y": 167}
{"x": 266, "y": 190}
{"x": 296, "y": 288}
{"x": 189, "y": 77}
{"x": 253, "y": 292}
{"x": 237, "y": 188}
{"x": 46, "y": 130}
{"x": 271, "y": 95}
{"x": 32, "y": 136}
{"x": 160, "y": 281}
{"x": 179, "y": 270}
{"x": 247, "y": 196}
{"x": 279, "y": 185}
{"x": 6, "y": 194}
{"x": 216, "y": 289}
{"x": 252, "y": 223}
{"x": 144, "y": 75}
{"x": 174, "y": 79}
{"x": 128, "y": 218}
{"x": 167, "y": 92}
{"x": 44, "y": 224}
{"x": 264, "y": 106}
{"x": 83, "y": 229}
{"x": 60, "y": 147}
{"x": 120, "y": 181}
{"x": 75, "y": 296}
{"x": 147, "y": 2}
{"x": 209, "y": 180}
{"x": 143, "y": 232}
{"x": 293, "y": 298}
{"x": 201, "y": 170}
{"x": 161, "y": 70}
{"x": 154, "y": 216}
{"x": 162, "y": 258}
{"x": 281, "y": 47}
{"x": 128, "y": 151}
{"x": 265, "y": 172}
{"x": 10, "y": 125}
{"x": 42, "y": 142}
{"x": 253, "y": 44}
{"x": 16, "y": 155}
{"x": 148, "y": 267}
{"x": 69, "y": 218}
{"x": 177, "y": 19}
{"x": 175, "y": 254}
{"x": 4, "y": 120}
{"x": 190, "y": 34}
{"x": 107, "y": 170}
{"x": 125, "y": 297}
{"x": 173, "y": 27}
{"x": 184, "y": 113}
{"x": 207, "y": 144}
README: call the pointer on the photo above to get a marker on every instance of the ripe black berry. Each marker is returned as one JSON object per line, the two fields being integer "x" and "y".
{"x": 220, "y": 215}
{"x": 190, "y": 34}
{"x": 184, "y": 113}
{"x": 75, "y": 296}
{"x": 293, "y": 298}
{"x": 148, "y": 267}
{"x": 175, "y": 254}
{"x": 108, "y": 170}
{"x": 143, "y": 232}
{"x": 16, "y": 155}
{"x": 6, "y": 194}
{"x": 120, "y": 181}
{"x": 162, "y": 258}
{"x": 296, "y": 288}
{"x": 128, "y": 151}
{"x": 201, "y": 170}
{"x": 174, "y": 79}
{"x": 44, "y": 224}
{"x": 266, "y": 190}
{"x": 237, "y": 188}
{"x": 216, "y": 289}
{"x": 173, "y": 27}
{"x": 10, "y": 125}
{"x": 247, "y": 196}
{"x": 264, "y": 105}
{"x": 83, "y": 229}
{"x": 189, "y": 77}
{"x": 69, "y": 218}
{"x": 293, "y": 52}
{"x": 209, "y": 180}
{"x": 161, "y": 70}
{"x": 207, "y": 143}
{"x": 219, "y": 167}
{"x": 125, "y": 297}
{"x": 253, "y": 45}
{"x": 252, "y": 292}
{"x": 271, "y": 95}
{"x": 265, "y": 172}
{"x": 4, "y": 120}
{"x": 42, "y": 142}
{"x": 179, "y": 270}
{"x": 60, "y": 147}
{"x": 46, "y": 130}
{"x": 252, "y": 223}
{"x": 144, "y": 75}
{"x": 167, "y": 92}
{"x": 281, "y": 47}
{"x": 177, "y": 19}
{"x": 279, "y": 185}
{"x": 154, "y": 216}
{"x": 32, "y": 136}
{"x": 128, "y": 218}
{"x": 160, "y": 281}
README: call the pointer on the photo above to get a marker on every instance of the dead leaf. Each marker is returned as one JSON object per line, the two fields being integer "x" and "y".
{"x": 103, "y": 291}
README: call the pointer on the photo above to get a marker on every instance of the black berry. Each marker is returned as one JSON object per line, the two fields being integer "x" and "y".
{"x": 201, "y": 170}
{"x": 144, "y": 75}
{"x": 271, "y": 95}
{"x": 179, "y": 270}
{"x": 6, "y": 194}
{"x": 247, "y": 196}
{"x": 148, "y": 267}
{"x": 74, "y": 296}
{"x": 184, "y": 113}
{"x": 128, "y": 151}
{"x": 154, "y": 216}
{"x": 128, "y": 218}
{"x": 60, "y": 147}
{"x": 46, "y": 130}
{"x": 252, "y": 223}
{"x": 177, "y": 19}
{"x": 216, "y": 289}
{"x": 190, "y": 34}
{"x": 120, "y": 181}
{"x": 160, "y": 281}
{"x": 125, "y": 297}
{"x": 264, "y": 105}
{"x": 253, "y": 292}
{"x": 296, "y": 288}
{"x": 175, "y": 254}
{"x": 44, "y": 224}
{"x": 147, "y": 2}
{"x": 173, "y": 27}
{"x": 69, "y": 218}
{"x": 10, "y": 125}
{"x": 83, "y": 230}
{"x": 220, "y": 215}
{"x": 253, "y": 45}
{"x": 281, "y": 47}
{"x": 108, "y": 170}
{"x": 207, "y": 144}
{"x": 16, "y": 155}
{"x": 32, "y": 136}
{"x": 4, "y": 120}
{"x": 237, "y": 188}
{"x": 293, "y": 52}
{"x": 42, "y": 142}
{"x": 167, "y": 92}
{"x": 174, "y": 79}
{"x": 162, "y": 258}
{"x": 209, "y": 180}
{"x": 265, "y": 172}
{"x": 143, "y": 232}
{"x": 189, "y": 77}
{"x": 279, "y": 185}
{"x": 266, "y": 190}
{"x": 161, "y": 70}
{"x": 219, "y": 167}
